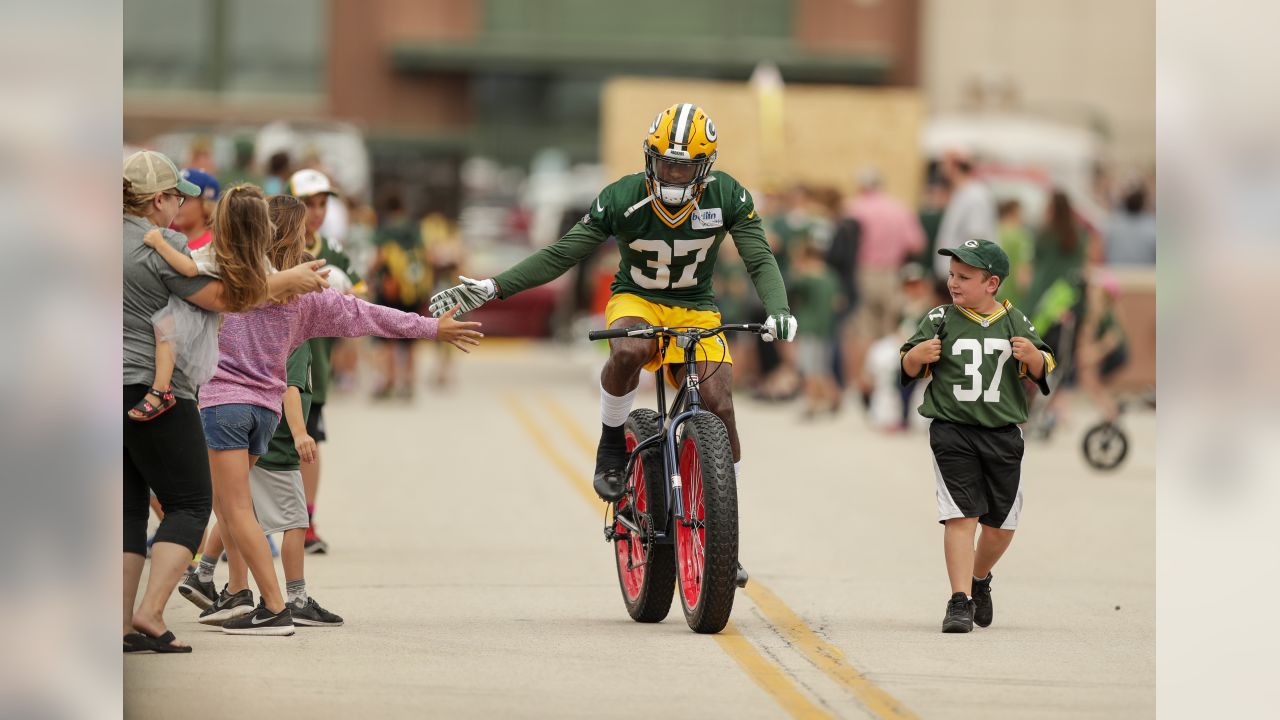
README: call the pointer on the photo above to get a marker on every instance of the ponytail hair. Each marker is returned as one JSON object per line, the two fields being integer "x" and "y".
{"x": 1062, "y": 222}
{"x": 242, "y": 232}
{"x": 288, "y": 219}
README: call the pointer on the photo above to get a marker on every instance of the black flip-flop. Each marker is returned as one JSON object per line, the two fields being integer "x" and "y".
{"x": 146, "y": 642}
{"x": 136, "y": 642}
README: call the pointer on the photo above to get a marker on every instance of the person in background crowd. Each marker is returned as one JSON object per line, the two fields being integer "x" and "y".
{"x": 932, "y": 207}
{"x": 971, "y": 211}
{"x": 313, "y": 188}
{"x": 1016, "y": 241}
{"x": 1061, "y": 248}
{"x": 890, "y": 234}
{"x": 195, "y": 218}
{"x": 398, "y": 279}
{"x": 242, "y": 171}
{"x": 814, "y": 293}
{"x": 445, "y": 257}
{"x": 1131, "y": 230}
{"x": 275, "y": 182}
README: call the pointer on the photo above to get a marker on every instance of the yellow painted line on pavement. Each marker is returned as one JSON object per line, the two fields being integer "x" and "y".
{"x": 767, "y": 675}
{"x": 822, "y": 654}
{"x": 572, "y": 427}
{"x": 770, "y": 677}
{"x": 825, "y": 656}
{"x": 548, "y": 448}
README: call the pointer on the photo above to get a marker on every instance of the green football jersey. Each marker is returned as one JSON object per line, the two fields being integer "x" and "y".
{"x": 977, "y": 381}
{"x": 322, "y": 348}
{"x": 281, "y": 454}
{"x": 667, "y": 255}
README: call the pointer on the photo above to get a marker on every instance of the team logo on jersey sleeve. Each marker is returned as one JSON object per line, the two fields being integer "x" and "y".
{"x": 709, "y": 218}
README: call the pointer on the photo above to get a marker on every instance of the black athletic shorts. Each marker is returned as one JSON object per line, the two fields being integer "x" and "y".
{"x": 315, "y": 422}
{"x": 979, "y": 472}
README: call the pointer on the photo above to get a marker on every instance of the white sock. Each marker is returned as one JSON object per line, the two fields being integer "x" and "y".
{"x": 737, "y": 471}
{"x": 296, "y": 592}
{"x": 614, "y": 409}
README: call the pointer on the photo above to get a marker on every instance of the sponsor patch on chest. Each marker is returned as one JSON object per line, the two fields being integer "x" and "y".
{"x": 709, "y": 218}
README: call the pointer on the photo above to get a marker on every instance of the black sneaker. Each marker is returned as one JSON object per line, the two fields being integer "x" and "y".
{"x": 982, "y": 610}
{"x": 740, "y": 577}
{"x": 312, "y": 615}
{"x": 261, "y": 622}
{"x": 315, "y": 546}
{"x": 228, "y": 607}
{"x": 611, "y": 461}
{"x": 201, "y": 594}
{"x": 959, "y": 617}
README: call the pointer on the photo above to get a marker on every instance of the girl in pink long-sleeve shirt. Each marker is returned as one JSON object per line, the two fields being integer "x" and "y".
{"x": 240, "y": 405}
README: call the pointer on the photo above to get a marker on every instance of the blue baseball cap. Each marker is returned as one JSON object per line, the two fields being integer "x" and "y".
{"x": 208, "y": 184}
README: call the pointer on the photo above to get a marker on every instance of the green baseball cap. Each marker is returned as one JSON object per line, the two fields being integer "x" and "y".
{"x": 982, "y": 254}
{"x": 151, "y": 172}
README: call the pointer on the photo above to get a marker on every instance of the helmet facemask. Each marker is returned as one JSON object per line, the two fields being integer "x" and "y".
{"x": 676, "y": 180}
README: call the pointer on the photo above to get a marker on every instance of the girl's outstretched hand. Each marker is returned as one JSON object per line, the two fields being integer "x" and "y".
{"x": 462, "y": 335}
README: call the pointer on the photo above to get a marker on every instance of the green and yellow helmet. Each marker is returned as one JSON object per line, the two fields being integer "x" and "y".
{"x": 678, "y": 153}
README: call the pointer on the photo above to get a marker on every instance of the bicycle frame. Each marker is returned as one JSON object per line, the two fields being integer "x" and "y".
{"x": 686, "y": 403}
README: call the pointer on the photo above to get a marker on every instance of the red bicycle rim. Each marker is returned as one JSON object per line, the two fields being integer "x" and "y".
{"x": 630, "y": 552}
{"x": 691, "y": 541}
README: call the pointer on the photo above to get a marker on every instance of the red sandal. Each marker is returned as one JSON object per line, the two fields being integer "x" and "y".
{"x": 145, "y": 411}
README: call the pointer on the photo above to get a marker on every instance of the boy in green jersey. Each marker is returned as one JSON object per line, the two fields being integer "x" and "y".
{"x": 976, "y": 402}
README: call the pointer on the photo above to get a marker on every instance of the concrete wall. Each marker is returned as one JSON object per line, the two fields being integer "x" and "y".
{"x": 1070, "y": 59}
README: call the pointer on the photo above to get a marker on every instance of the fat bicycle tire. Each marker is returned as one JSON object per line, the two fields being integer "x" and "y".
{"x": 646, "y": 577}
{"x": 707, "y": 552}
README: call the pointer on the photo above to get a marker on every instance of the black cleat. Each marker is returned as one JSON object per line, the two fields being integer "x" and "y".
{"x": 611, "y": 462}
{"x": 959, "y": 618}
{"x": 740, "y": 577}
{"x": 982, "y": 610}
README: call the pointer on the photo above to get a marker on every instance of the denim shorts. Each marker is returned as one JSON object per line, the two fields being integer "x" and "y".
{"x": 239, "y": 427}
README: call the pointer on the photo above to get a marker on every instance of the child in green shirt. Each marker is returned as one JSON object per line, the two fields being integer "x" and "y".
{"x": 976, "y": 402}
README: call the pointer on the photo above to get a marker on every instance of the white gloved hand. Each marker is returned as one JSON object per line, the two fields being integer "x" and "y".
{"x": 780, "y": 327}
{"x": 470, "y": 295}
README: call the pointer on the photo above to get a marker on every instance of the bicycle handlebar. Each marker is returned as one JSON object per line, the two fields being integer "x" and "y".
{"x": 650, "y": 331}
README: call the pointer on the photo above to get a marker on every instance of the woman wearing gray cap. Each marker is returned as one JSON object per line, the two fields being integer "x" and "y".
{"x": 167, "y": 455}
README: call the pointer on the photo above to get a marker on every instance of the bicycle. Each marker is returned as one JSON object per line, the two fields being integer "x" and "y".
{"x": 677, "y": 522}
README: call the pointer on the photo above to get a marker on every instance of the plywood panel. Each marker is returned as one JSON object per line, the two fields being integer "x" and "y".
{"x": 827, "y": 132}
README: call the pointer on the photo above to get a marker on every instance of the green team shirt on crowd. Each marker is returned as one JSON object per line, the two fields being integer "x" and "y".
{"x": 814, "y": 296}
{"x": 321, "y": 369}
{"x": 662, "y": 264}
{"x": 281, "y": 453}
{"x": 977, "y": 381}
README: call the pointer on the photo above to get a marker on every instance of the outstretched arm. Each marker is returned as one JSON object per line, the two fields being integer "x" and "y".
{"x": 281, "y": 287}
{"x": 539, "y": 268}
{"x": 332, "y": 314}
{"x": 551, "y": 261}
